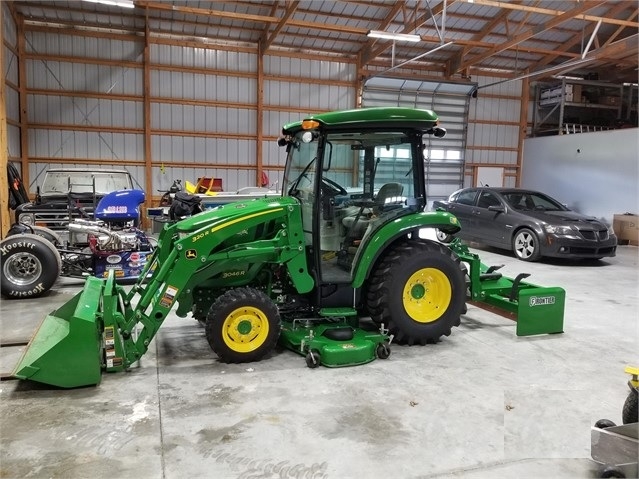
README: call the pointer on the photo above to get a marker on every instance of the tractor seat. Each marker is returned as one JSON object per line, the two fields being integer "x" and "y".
{"x": 389, "y": 196}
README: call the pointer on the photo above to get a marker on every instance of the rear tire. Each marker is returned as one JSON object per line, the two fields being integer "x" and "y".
{"x": 418, "y": 292}
{"x": 630, "y": 413}
{"x": 242, "y": 325}
{"x": 526, "y": 245}
{"x": 28, "y": 266}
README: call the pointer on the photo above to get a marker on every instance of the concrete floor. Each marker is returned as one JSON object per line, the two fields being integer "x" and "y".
{"x": 481, "y": 403}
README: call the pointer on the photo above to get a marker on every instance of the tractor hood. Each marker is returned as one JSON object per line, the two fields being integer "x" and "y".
{"x": 238, "y": 211}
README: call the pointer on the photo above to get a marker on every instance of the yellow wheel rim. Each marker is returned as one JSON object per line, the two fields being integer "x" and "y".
{"x": 245, "y": 329}
{"x": 426, "y": 295}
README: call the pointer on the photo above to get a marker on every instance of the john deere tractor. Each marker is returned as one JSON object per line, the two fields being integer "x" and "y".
{"x": 341, "y": 244}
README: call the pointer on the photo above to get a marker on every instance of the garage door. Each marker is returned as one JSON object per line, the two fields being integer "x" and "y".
{"x": 444, "y": 156}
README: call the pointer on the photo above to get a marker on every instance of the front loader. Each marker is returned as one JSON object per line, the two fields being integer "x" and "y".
{"x": 341, "y": 244}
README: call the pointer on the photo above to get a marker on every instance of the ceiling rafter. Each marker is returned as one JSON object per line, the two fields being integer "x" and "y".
{"x": 576, "y": 40}
{"x": 267, "y": 40}
{"x": 372, "y": 53}
{"x": 547, "y": 11}
{"x": 388, "y": 19}
{"x": 529, "y": 33}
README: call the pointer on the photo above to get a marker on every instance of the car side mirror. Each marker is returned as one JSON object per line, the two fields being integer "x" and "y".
{"x": 497, "y": 209}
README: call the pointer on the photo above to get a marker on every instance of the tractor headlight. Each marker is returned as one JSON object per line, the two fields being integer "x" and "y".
{"x": 26, "y": 219}
{"x": 558, "y": 230}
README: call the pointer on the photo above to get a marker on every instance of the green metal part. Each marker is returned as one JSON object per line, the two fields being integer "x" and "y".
{"x": 306, "y": 336}
{"x": 66, "y": 350}
{"x": 536, "y": 309}
{"x": 374, "y": 244}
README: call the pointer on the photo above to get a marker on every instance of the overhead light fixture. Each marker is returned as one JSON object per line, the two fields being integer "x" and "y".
{"x": 114, "y": 3}
{"x": 404, "y": 37}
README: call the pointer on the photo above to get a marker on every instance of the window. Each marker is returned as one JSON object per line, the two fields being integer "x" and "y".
{"x": 487, "y": 198}
{"x": 466, "y": 197}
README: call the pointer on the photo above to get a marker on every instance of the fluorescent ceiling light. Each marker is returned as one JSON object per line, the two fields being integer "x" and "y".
{"x": 394, "y": 36}
{"x": 114, "y": 3}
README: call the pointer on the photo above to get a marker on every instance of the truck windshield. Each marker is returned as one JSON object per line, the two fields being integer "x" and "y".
{"x": 56, "y": 182}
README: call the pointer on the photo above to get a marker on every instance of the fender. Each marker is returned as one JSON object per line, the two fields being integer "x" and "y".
{"x": 376, "y": 241}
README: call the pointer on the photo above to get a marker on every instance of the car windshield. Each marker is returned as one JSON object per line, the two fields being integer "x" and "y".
{"x": 56, "y": 182}
{"x": 530, "y": 200}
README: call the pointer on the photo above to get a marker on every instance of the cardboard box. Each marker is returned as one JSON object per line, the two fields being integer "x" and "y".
{"x": 626, "y": 227}
{"x": 610, "y": 100}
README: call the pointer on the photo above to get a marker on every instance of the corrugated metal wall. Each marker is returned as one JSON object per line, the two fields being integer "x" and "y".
{"x": 493, "y": 129}
{"x": 295, "y": 87}
{"x": 66, "y": 121}
{"x": 85, "y": 102}
{"x": 12, "y": 100}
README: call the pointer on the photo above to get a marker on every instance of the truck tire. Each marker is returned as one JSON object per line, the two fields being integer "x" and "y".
{"x": 29, "y": 267}
{"x": 630, "y": 413}
{"x": 242, "y": 325}
{"x": 418, "y": 292}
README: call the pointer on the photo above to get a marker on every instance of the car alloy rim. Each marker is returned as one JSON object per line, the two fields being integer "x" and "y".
{"x": 427, "y": 295}
{"x": 22, "y": 269}
{"x": 245, "y": 329}
{"x": 525, "y": 245}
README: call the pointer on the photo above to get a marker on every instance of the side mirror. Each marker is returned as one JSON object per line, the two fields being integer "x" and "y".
{"x": 497, "y": 209}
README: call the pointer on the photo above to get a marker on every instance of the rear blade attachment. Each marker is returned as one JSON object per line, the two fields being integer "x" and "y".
{"x": 536, "y": 309}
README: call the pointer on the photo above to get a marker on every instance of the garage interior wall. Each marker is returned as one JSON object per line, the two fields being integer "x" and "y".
{"x": 86, "y": 107}
{"x": 593, "y": 173}
{"x": 11, "y": 85}
{"x": 85, "y": 96}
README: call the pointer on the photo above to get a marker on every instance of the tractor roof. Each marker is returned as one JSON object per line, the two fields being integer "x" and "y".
{"x": 377, "y": 117}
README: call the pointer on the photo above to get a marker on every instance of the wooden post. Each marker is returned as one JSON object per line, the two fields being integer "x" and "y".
{"x": 5, "y": 222}
{"x": 148, "y": 170}
{"x": 24, "y": 119}
{"x": 260, "y": 113}
{"x": 523, "y": 127}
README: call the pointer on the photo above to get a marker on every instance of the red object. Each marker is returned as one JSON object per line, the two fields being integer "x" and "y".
{"x": 265, "y": 181}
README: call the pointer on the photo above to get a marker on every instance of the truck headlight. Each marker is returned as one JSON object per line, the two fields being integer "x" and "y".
{"x": 558, "y": 230}
{"x": 26, "y": 219}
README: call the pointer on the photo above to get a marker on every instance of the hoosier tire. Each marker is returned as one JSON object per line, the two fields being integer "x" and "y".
{"x": 242, "y": 325}
{"x": 418, "y": 292}
{"x": 30, "y": 265}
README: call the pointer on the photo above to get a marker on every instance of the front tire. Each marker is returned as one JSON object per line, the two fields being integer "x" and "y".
{"x": 526, "y": 245}
{"x": 242, "y": 325}
{"x": 30, "y": 265}
{"x": 630, "y": 413}
{"x": 418, "y": 292}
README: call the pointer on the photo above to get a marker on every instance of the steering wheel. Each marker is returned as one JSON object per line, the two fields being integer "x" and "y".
{"x": 334, "y": 188}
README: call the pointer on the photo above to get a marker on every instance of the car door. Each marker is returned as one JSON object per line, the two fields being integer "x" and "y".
{"x": 462, "y": 206}
{"x": 489, "y": 215}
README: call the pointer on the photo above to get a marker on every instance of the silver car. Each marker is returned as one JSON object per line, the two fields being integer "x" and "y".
{"x": 529, "y": 223}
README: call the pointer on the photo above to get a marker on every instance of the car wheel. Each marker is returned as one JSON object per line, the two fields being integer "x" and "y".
{"x": 526, "y": 245}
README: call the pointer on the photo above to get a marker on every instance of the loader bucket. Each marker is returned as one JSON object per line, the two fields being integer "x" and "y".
{"x": 66, "y": 348}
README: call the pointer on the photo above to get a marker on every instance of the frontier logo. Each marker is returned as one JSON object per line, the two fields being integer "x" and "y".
{"x": 541, "y": 300}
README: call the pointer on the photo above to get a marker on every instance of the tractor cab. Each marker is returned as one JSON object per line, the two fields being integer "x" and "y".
{"x": 353, "y": 175}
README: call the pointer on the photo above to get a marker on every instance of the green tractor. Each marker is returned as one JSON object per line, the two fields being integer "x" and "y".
{"x": 341, "y": 244}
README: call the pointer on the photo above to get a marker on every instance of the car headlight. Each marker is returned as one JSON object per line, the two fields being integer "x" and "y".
{"x": 558, "y": 230}
{"x": 26, "y": 219}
